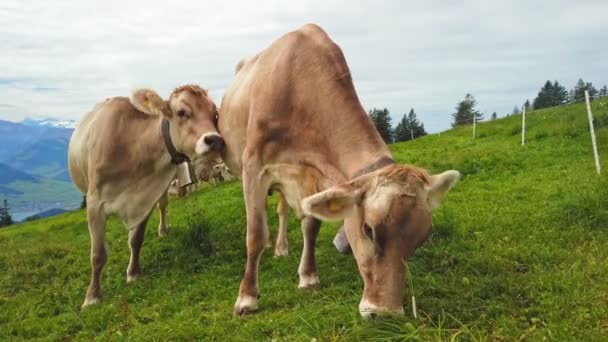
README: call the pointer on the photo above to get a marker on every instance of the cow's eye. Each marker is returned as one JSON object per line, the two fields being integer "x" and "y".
{"x": 182, "y": 113}
{"x": 368, "y": 231}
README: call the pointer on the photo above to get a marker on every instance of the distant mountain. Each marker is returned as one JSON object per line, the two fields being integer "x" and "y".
{"x": 9, "y": 175}
{"x": 46, "y": 157}
{"x": 33, "y": 171}
{"x": 16, "y": 136}
{"x": 8, "y": 191}
{"x": 63, "y": 176}
{"x": 44, "y": 214}
{"x": 49, "y": 122}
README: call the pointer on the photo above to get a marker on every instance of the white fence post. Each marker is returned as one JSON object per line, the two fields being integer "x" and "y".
{"x": 474, "y": 124}
{"x": 523, "y": 126}
{"x": 592, "y": 131}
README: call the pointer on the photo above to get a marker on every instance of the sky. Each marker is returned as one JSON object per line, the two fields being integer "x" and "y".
{"x": 58, "y": 58}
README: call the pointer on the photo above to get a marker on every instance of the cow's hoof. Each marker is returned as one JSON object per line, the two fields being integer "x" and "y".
{"x": 281, "y": 251}
{"x": 163, "y": 232}
{"x": 309, "y": 282}
{"x": 131, "y": 278}
{"x": 245, "y": 305}
{"x": 88, "y": 301}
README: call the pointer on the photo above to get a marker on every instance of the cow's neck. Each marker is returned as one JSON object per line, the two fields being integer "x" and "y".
{"x": 146, "y": 184}
{"x": 164, "y": 160}
{"x": 153, "y": 152}
{"x": 358, "y": 146}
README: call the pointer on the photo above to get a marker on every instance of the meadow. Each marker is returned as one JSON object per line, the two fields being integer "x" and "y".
{"x": 519, "y": 251}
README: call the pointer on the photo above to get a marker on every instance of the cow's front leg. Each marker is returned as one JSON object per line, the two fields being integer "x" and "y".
{"x": 308, "y": 265}
{"x": 257, "y": 236}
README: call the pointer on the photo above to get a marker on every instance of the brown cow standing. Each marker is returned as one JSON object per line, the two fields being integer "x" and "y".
{"x": 293, "y": 123}
{"x": 118, "y": 158}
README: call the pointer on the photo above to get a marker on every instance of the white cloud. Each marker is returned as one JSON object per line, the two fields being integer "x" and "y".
{"x": 59, "y": 58}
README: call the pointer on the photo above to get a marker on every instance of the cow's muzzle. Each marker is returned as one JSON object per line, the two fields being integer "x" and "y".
{"x": 370, "y": 310}
{"x": 210, "y": 142}
{"x": 216, "y": 143}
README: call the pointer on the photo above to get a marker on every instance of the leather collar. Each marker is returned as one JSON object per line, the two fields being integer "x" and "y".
{"x": 378, "y": 164}
{"x": 176, "y": 157}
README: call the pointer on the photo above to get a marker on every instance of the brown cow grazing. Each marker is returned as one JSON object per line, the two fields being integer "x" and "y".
{"x": 120, "y": 159}
{"x": 292, "y": 122}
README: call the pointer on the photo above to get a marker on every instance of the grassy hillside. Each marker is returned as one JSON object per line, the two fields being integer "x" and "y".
{"x": 519, "y": 250}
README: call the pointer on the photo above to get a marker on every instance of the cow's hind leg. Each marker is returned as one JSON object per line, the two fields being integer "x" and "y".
{"x": 281, "y": 246}
{"x": 163, "y": 228}
{"x": 99, "y": 254}
{"x": 308, "y": 265}
{"x": 257, "y": 236}
{"x": 136, "y": 239}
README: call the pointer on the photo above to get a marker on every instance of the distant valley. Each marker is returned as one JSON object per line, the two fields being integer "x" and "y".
{"x": 33, "y": 166}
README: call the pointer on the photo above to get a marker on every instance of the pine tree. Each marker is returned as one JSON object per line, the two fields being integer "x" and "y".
{"x": 527, "y": 105}
{"x": 402, "y": 130}
{"x": 382, "y": 120}
{"x": 465, "y": 112}
{"x": 409, "y": 127}
{"x": 560, "y": 94}
{"x": 550, "y": 95}
{"x": 516, "y": 111}
{"x": 578, "y": 92}
{"x": 543, "y": 99}
{"x": 494, "y": 116}
{"x": 415, "y": 125}
{"x": 603, "y": 91}
{"x": 5, "y": 217}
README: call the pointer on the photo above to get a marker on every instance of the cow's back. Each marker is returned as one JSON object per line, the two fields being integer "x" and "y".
{"x": 286, "y": 95}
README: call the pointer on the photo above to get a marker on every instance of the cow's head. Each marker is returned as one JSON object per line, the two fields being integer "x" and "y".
{"x": 387, "y": 215}
{"x": 192, "y": 116}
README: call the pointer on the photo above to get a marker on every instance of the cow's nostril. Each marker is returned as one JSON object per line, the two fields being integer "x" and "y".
{"x": 373, "y": 315}
{"x": 215, "y": 142}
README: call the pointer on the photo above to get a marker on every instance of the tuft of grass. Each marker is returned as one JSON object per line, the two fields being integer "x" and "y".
{"x": 540, "y": 135}
{"x": 197, "y": 235}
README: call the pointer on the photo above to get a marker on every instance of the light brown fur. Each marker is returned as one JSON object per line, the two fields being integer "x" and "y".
{"x": 293, "y": 123}
{"x": 118, "y": 159}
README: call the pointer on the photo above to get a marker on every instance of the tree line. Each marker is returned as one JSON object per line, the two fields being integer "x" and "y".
{"x": 408, "y": 128}
{"x": 551, "y": 94}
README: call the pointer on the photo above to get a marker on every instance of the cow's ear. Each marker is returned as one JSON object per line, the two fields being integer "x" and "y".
{"x": 149, "y": 102}
{"x": 439, "y": 185}
{"x": 333, "y": 204}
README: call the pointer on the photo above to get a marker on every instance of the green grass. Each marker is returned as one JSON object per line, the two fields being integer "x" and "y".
{"x": 519, "y": 251}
